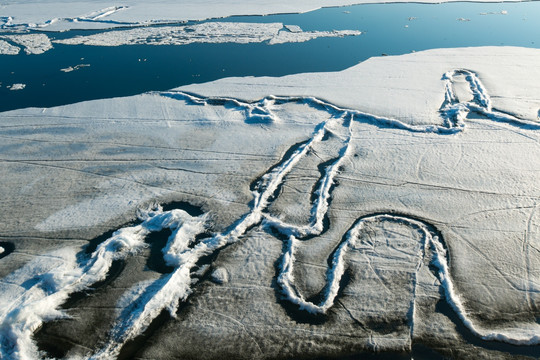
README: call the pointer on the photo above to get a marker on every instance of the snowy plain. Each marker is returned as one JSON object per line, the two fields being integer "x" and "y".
{"x": 350, "y": 209}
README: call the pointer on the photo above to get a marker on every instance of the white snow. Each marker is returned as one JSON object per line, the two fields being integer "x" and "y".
{"x": 431, "y": 140}
{"x": 293, "y": 28}
{"x": 210, "y": 32}
{"x": 220, "y": 276}
{"x": 16, "y": 87}
{"x": 416, "y": 95}
{"x": 8, "y": 49}
{"x": 34, "y": 44}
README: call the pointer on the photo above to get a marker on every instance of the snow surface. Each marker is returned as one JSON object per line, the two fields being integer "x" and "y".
{"x": 210, "y": 32}
{"x": 33, "y": 44}
{"x": 416, "y": 95}
{"x": 421, "y": 201}
{"x": 8, "y": 49}
{"x": 57, "y": 15}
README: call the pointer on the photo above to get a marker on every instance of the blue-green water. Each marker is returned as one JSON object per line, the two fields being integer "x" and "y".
{"x": 389, "y": 29}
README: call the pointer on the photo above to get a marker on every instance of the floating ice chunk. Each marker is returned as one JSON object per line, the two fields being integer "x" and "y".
{"x": 293, "y": 28}
{"x": 502, "y": 12}
{"x": 463, "y": 19}
{"x": 33, "y": 44}
{"x": 220, "y": 276}
{"x": 8, "y": 49}
{"x": 1, "y": 250}
{"x": 15, "y": 87}
{"x": 73, "y": 68}
{"x": 211, "y": 32}
{"x": 181, "y": 35}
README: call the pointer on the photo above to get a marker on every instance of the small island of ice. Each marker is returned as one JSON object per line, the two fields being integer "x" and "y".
{"x": 209, "y": 32}
{"x": 16, "y": 87}
{"x": 33, "y": 44}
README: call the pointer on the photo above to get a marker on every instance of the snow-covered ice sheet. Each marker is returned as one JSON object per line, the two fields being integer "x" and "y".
{"x": 415, "y": 94}
{"x": 327, "y": 220}
{"x": 210, "y": 32}
{"x": 58, "y": 15}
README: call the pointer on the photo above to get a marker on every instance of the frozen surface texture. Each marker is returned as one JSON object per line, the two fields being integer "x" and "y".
{"x": 306, "y": 215}
{"x": 57, "y": 15}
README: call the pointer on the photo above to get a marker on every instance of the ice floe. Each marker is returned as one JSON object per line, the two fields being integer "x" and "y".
{"x": 451, "y": 198}
{"x": 209, "y": 32}
{"x": 7, "y": 49}
{"x": 33, "y": 44}
{"x": 55, "y": 15}
{"x": 74, "y": 68}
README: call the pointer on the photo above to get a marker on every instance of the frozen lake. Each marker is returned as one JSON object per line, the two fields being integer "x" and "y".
{"x": 390, "y": 29}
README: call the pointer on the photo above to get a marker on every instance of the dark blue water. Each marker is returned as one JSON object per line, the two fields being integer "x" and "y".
{"x": 389, "y": 29}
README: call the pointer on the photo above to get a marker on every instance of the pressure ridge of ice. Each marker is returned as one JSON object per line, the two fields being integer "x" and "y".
{"x": 33, "y": 294}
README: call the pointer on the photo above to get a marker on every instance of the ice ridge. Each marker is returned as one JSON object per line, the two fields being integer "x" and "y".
{"x": 33, "y": 294}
